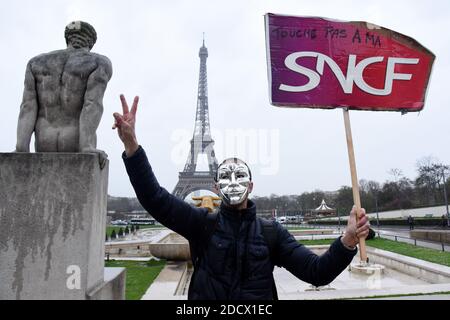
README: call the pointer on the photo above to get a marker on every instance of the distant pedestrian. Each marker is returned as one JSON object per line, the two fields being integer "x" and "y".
{"x": 411, "y": 222}
{"x": 371, "y": 234}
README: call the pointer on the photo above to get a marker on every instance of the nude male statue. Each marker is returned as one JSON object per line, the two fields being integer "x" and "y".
{"x": 63, "y": 94}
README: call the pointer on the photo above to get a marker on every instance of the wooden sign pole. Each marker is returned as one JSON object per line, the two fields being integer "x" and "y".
{"x": 355, "y": 185}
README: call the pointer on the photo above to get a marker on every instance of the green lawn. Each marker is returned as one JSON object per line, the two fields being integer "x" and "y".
{"x": 140, "y": 275}
{"x": 316, "y": 242}
{"x": 149, "y": 226}
{"x": 406, "y": 249}
{"x": 410, "y": 250}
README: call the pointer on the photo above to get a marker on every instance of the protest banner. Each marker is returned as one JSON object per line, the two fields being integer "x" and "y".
{"x": 322, "y": 63}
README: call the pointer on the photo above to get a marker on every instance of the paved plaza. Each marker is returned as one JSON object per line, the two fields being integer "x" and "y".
{"x": 173, "y": 281}
{"x": 346, "y": 286}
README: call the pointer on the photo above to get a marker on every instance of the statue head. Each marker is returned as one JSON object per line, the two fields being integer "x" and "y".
{"x": 234, "y": 181}
{"x": 80, "y": 34}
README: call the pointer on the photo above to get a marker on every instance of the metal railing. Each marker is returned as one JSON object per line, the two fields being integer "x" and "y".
{"x": 428, "y": 244}
{"x": 311, "y": 237}
{"x": 291, "y": 225}
{"x": 444, "y": 247}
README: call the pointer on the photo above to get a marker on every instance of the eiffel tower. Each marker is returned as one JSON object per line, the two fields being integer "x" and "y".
{"x": 190, "y": 179}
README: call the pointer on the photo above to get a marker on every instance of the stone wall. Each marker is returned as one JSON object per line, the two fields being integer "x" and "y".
{"x": 432, "y": 235}
{"x": 52, "y": 217}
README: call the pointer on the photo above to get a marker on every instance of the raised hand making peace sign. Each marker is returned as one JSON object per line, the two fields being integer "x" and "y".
{"x": 125, "y": 124}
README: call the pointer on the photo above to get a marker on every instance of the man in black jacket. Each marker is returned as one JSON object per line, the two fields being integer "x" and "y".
{"x": 233, "y": 261}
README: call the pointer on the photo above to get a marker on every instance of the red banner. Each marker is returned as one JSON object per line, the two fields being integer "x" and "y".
{"x": 322, "y": 63}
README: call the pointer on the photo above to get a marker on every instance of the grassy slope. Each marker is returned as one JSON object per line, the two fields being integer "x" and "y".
{"x": 406, "y": 249}
{"x": 140, "y": 274}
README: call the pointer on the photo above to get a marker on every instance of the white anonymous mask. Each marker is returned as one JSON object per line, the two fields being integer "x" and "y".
{"x": 233, "y": 180}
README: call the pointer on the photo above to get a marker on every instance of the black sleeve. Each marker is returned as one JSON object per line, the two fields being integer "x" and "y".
{"x": 169, "y": 210}
{"x": 308, "y": 266}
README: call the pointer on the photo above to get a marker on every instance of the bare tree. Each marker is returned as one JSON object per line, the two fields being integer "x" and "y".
{"x": 396, "y": 173}
{"x": 430, "y": 174}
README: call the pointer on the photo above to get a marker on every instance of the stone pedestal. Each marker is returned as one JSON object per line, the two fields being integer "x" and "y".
{"x": 52, "y": 227}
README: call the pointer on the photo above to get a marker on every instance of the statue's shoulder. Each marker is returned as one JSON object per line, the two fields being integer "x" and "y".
{"x": 44, "y": 57}
{"x": 102, "y": 61}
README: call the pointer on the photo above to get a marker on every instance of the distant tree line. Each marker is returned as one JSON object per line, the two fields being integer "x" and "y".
{"x": 123, "y": 204}
{"x": 400, "y": 192}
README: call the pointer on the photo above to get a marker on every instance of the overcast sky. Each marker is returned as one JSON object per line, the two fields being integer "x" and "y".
{"x": 153, "y": 46}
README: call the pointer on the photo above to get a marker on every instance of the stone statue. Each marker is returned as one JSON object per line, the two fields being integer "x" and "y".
{"x": 63, "y": 96}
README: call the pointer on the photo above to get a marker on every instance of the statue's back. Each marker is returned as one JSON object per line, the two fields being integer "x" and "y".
{"x": 62, "y": 101}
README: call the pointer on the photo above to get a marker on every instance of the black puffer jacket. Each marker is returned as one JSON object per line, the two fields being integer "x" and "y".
{"x": 234, "y": 262}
